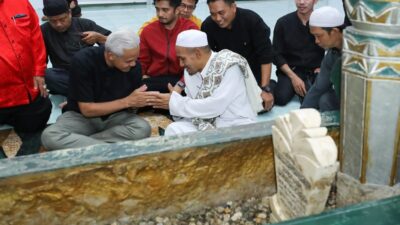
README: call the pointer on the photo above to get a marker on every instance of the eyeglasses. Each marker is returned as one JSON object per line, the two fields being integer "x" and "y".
{"x": 188, "y": 7}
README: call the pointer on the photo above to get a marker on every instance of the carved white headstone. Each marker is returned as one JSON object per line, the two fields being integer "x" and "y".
{"x": 305, "y": 165}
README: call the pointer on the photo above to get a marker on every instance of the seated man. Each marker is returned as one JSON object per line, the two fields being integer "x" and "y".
{"x": 104, "y": 93}
{"x": 157, "y": 46}
{"x": 297, "y": 56}
{"x": 243, "y": 32}
{"x": 326, "y": 24}
{"x": 76, "y": 10}
{"x": 221, "y": 89}
{"x": 185, "y": 10}
{"x": 65, "y": 35}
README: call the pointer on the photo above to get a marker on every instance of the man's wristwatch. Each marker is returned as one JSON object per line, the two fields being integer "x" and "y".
{"x": 181, "y": 84}
{"x": 266, "y": 88}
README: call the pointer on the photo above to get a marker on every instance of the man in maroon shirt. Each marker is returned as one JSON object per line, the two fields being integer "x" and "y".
{"x": 23, "y": 102}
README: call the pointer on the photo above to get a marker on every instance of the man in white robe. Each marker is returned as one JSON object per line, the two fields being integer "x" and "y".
{"x": 220, "y": 91}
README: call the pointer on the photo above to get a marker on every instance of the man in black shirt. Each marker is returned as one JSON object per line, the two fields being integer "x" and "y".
{"x": 297, "y": 56}
{"x": 65, "y": 35}
{"x": 106, "y": 89}
{"x": 244, "y": 32}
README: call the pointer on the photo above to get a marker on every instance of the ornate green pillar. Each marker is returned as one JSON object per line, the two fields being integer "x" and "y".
{"x": 370, "y": 112}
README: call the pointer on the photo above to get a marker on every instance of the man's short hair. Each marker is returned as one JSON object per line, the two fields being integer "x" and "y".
{"x": 172, "y": 3}
{"x": 55, "y": 7}
{"x": 228, "y": 2}
{"x": 120, "y": 40}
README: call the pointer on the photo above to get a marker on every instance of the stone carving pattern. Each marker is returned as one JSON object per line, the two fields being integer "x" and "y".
{"x": 305, "y": 164}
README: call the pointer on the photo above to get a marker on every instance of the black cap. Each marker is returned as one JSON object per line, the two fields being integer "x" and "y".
{"x": 55, "y": 7}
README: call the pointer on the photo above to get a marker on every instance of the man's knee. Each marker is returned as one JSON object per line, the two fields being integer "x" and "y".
{"x": 282, "y": 98}
{"x": 51, "y": 137}
{"x": 179, "y": 127}
{"x": 283, "y": 91}
{"x": 171, "y": 130}
{"x": 329, "y": 102}
{"x": 141, "y": 129}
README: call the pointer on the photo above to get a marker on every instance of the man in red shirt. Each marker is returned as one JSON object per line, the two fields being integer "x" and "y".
{"x": 23, "y": 102}
{"x": 160, "y": 65}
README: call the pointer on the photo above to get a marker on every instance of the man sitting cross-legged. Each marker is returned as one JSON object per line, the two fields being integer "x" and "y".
{"x": 221, "y": 89}
{"x": 106, "y": 88}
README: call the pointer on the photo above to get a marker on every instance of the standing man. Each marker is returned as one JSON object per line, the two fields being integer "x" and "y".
{"x": 106, "y": 89}
{"x": 65, "y": 35}
{"x": 221, "y": 89}
{"x": 327, "y": 24}
{"x": 244, "y": 32}
{"x": 157, "y": 46}
{"x": 297, "y": 56}
{"x": 23, "y": 102}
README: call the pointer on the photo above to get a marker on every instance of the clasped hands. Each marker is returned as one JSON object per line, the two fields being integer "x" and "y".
{"x": 141, "y": 98}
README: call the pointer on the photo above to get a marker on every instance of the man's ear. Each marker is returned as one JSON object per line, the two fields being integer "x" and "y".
{"x": 198, "y": 53}
{"x": 233, "y": 6}
{"x": 110, "y": 56}
{"x": 336, "y": 31}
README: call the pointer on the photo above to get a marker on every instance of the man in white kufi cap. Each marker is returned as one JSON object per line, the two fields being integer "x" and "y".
{"x": 327, "y": 24}
{"x": 220, "y": 89}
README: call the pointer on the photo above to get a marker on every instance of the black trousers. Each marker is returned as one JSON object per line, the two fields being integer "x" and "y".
{"x": 160, "y": 83}
{"x": 284, "y": 90}
{"x": 28, "y": 122}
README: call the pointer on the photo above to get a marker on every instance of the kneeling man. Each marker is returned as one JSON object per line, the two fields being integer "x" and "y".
{"x": 105, "y": 89}
{"x": 221, "y": 89}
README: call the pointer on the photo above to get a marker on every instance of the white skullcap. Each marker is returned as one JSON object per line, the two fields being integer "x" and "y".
{"x": 326, "y": 16}
{"x": 192, "y": 39}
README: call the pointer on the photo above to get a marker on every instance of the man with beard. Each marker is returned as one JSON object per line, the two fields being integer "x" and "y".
{"x": 221, "y": 89}
{"x": 297, "y": 56}
{"x": 157, "y": 46}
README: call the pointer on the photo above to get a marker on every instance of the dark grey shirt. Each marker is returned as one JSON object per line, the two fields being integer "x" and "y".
{"x": 323, "y": 83}
{"x": 61, "y": 47}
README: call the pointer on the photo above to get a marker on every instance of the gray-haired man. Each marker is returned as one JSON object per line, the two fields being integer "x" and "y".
{"x": 105, "y": 87}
